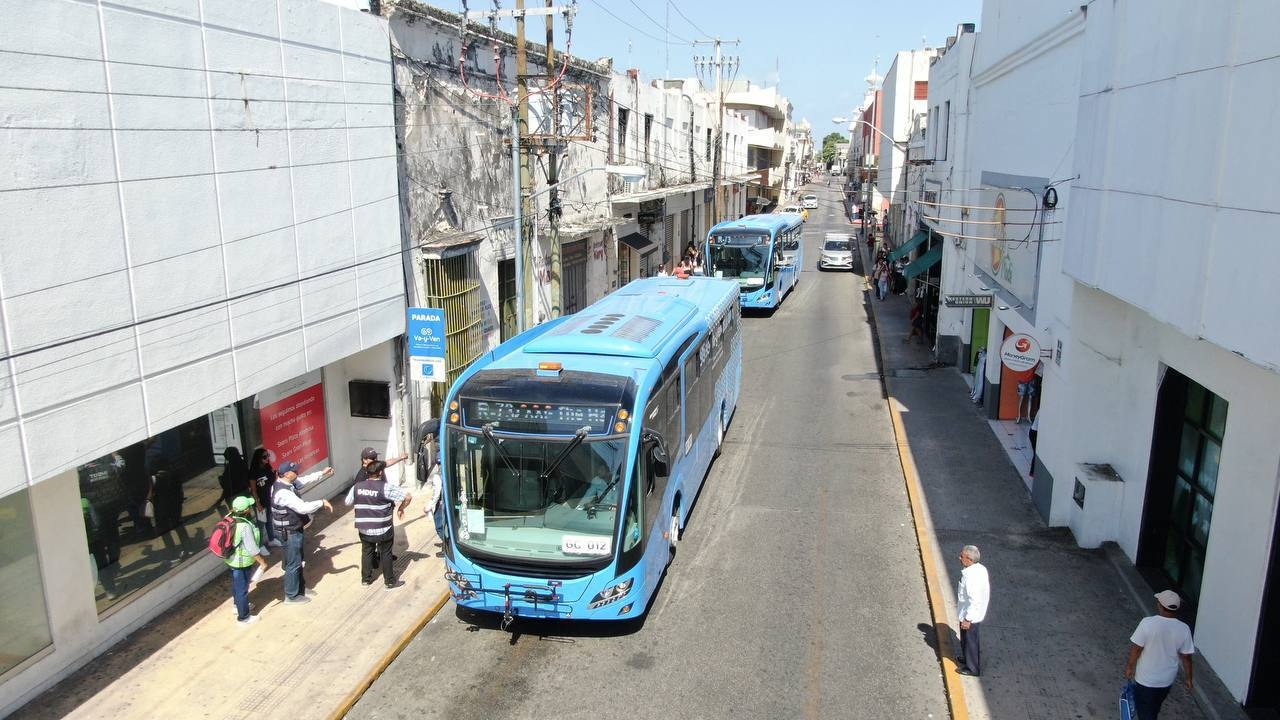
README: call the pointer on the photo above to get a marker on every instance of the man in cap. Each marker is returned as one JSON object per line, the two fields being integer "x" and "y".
{"x": 246, "y": 551}
{"x": 375, "y": 501}
{"x": 290, "y": 514}
{"x": 369, "y": 455}
{"x": 1159, "y": 643}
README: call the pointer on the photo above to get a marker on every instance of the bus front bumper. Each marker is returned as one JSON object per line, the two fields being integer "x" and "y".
{"x": 544, "y": 599}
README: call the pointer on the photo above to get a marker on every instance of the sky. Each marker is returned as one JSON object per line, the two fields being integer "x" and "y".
{"x": 819, "y": 49}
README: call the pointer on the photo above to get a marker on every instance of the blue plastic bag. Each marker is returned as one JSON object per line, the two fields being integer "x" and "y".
{"x": 1128, "y": 710}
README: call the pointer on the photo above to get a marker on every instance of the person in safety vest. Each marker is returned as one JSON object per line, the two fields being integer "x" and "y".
{"x": 291, "y": 514}
{"x": 374, "y": 500}
{"x": 246, "y": 552}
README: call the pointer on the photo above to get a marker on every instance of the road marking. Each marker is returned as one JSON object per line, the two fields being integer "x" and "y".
{"x": 925, "y": 539}
{"x": 354, "y": 696}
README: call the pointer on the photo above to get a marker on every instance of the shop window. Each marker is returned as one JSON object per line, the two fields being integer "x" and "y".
{"x": 453, "y": 284}
{"x": 149, "y": 507}
{"x": 24, "y": 621}
{"x": 370, "y": 398}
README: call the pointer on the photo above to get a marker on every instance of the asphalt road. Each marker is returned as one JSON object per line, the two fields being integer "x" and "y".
{"x": 797, "y": 590}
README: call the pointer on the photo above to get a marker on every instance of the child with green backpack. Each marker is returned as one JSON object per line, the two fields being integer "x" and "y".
{"x": 236, "y": 540}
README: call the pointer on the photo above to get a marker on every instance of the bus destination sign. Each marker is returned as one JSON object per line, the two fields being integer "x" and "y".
{"x": 539, "y": 417}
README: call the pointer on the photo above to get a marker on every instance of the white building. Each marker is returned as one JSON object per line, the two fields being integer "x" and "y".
{"x": 1175, "y": 344}
{"x": 202, "y": 251}
{"x": 768, "y": 116}
{"x": 1141, "y": 275}
{"x": 904, "y": 95}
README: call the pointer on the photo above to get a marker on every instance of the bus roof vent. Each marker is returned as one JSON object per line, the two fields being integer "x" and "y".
{"x": 637, "y": 328}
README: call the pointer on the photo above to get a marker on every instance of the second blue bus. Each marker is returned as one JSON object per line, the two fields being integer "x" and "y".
{"x": 572, "y": 453}
{"x": 763, "y": 253}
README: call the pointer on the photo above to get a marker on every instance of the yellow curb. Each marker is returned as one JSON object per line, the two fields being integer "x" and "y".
{"x": 915, "y": 494}
{"x": 354, "y": 696}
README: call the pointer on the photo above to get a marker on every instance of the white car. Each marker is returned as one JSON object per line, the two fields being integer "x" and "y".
{"x": 837, "y": 253}
{"x": 810, "y": 202}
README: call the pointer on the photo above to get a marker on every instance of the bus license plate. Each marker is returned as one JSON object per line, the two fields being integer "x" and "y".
{"x": 586, "y": 545}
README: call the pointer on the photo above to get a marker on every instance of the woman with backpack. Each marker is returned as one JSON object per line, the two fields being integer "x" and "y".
{"x": 244, "y": 551}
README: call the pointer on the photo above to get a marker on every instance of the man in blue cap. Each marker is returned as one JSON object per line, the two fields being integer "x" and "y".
{"x": 290, "y": 514}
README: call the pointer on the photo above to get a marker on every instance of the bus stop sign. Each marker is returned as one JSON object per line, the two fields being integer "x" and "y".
{"x": 426, "y": 333}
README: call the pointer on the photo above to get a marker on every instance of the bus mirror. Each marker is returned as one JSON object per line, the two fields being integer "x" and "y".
{"x": 658, "y": 459}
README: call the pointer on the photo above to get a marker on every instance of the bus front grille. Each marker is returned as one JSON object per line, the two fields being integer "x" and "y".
{"x": 529, "y": 570}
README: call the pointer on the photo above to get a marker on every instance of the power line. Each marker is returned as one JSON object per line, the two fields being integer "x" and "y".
{"x": 679, "y": 12}
{"x": 633, "y": 27}
{"x": 660, "y": 26}
{"x": 50, "y": 345}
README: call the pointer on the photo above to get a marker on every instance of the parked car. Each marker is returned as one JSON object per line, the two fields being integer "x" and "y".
{"x": 810, "y": 202}
{"x": 837, "y": 253}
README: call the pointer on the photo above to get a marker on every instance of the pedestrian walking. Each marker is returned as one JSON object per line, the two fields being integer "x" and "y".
{"x": 262, "y": 478}
{"x": 1155, "y": 649}
{"x": 375, "y": 500}
{"x": 917, "y": 322}
{"x": 972, "y": 596}
{"x": 245, "y": 554}
{"x": 882, "y": 280}
{"x": 290, "y": 514}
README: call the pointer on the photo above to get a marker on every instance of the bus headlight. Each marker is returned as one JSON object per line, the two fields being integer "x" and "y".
{"x": 611, "y": 594}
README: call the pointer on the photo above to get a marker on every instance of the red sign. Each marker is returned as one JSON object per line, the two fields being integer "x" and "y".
{"x": 293, "y": 428}
{"x": 1020, "y": 352}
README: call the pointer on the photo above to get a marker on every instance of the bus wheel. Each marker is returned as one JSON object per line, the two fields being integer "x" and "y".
{"x": 673, "y": 534}
{"x": 719, "y": 435}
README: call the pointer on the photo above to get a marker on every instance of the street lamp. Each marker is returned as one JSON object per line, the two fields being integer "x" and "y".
{"x": 630, "y": 173}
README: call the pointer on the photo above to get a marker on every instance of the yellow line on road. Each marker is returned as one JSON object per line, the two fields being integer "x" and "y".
{"x": 925, "y": 540}
{"x": 354, "y": 696}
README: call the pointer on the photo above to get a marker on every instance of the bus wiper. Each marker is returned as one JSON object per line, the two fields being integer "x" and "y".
{"x": 595, "y": 502}
{"x": 578, "y": 437}
{"x": 497, "y": 446}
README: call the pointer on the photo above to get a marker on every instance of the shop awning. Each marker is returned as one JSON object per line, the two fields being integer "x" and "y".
{"x": 638, "y": 242}
{"x": 908, "y": 246}
{"x": 922, "y": 263}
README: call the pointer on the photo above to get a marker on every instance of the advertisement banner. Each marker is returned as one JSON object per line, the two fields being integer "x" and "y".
{"x": 293, "y": 428}
{"x": 1010, "y": 217}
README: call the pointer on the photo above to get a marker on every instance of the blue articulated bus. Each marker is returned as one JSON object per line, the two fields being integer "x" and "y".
{"x": 762, "y": 252}
{"x": 572, "y": 453}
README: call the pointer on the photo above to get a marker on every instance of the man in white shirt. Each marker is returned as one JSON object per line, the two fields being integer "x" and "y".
{"x": 1155, "y": 649}
{"x": 972, "y": 595}
{"x": 291, "y": 514}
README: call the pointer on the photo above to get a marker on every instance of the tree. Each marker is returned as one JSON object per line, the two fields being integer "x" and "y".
{"x": 829, "y": 146}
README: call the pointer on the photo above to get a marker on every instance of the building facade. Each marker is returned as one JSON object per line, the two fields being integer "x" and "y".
{"x": 203, "y": 258}
{"x": 1175, "y": 350}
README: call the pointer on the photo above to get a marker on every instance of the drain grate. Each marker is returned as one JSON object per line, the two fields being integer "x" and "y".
{"x": 861, "y": 376}
{"x": 905, "y": 373}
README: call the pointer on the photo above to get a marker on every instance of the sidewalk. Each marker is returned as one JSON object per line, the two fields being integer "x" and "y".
{"x": 195, "y": 661}
{"x": 1056, "y": 638}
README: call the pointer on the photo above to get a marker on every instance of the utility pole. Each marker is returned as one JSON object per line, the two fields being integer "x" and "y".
{"x": 719, "y": 64}
{"x": 524, "y": 272}
{"x": 553, "y": 177}
{"x": 522, "y": 162}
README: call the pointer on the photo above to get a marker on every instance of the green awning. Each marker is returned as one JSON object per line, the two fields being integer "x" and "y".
{"x": 922, "y": 263}
{"x": 908, "y": 246}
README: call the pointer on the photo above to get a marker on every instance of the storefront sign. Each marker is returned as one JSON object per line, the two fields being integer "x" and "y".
{"x": 293, "y": 427}
{"x": 1020, "y": 352}
{"x": 968, "y": 301}
{"x": 426, "y": 336}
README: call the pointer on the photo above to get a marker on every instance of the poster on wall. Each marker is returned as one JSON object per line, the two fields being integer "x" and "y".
{"x": 1010, "y": 217}
{"x": 293, "y": 422}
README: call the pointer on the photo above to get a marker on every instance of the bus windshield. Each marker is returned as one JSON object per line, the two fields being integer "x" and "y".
{"x": 745, "y": 257}
{"x": 536, "y": 499}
